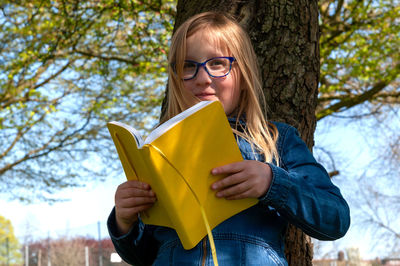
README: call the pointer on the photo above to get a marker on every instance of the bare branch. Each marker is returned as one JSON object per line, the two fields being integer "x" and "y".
{"x": 91, "y": 54}
{"x": 33, "y": 154}
{"x": 348, "y": 102}
{"x": 26, "y": 98}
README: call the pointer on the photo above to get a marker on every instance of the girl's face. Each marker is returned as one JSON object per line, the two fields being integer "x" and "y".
{"x": 226, "y": 89}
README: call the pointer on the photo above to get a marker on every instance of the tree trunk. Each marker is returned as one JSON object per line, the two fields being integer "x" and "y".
{"x": 285, "y": 36}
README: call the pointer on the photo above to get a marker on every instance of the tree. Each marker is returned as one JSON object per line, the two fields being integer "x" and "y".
{"x": 9, "y": 245}
{"x": 360, "y": 82}
{"x": 360, "y": 62}
{"x": 287, "y": 45}
{"x": 68, "y": 67}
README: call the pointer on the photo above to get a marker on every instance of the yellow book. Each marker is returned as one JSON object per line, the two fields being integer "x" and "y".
{"x": 176, "y": 160}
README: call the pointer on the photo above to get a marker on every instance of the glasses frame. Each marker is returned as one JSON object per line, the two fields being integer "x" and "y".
{"x": 198, "y": 65}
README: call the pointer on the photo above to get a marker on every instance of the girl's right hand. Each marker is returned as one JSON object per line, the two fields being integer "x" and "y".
{"x": 131, "y": 198}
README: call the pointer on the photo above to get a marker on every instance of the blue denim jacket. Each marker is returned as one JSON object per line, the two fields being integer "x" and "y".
{"x": 301, "y": 193}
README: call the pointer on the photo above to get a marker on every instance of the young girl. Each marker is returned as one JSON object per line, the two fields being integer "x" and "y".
{"x": 211, "y": 58}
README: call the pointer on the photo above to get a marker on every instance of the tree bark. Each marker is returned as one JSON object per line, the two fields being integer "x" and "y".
{"x": 285, "y": 36}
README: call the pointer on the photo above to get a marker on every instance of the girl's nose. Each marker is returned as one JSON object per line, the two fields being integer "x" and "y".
{"x": 202, "y": 76}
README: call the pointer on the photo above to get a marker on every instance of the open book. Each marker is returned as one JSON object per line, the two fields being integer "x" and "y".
{"x": 176, "y": 160}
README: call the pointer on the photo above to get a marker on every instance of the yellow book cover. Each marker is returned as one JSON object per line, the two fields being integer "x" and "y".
{"x": 176, "y": 160}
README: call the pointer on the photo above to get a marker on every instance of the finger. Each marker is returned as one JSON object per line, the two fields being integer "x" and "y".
{"x": 144, "y": 207}
{"x": 243, "y": 195}
{"x": 129, "y": 213}
{"x": 229, "y": 181}
{"x": 133, "y": 192}
{"x": 133, "y": 188}
{"x": 134, "y": 184}
{"x": 127, "y": 210}
{"x": 135, "y": 201}
{"x": 233, "y": 190}
{"x": 227, "y": 169}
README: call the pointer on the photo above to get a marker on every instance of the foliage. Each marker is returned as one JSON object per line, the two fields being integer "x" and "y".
{"x": 360, "y": 67}
{"x": 360, "y": 61}
{"x": 66, "y": 68}
{"x": 9, "y": 246}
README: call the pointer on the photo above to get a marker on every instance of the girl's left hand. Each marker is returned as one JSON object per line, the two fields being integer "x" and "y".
{"x": 246, "y": 179}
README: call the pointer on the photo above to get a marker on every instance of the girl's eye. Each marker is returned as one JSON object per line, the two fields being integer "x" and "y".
{"x": 217, "y": 64}
{"x": 189, "y": 65}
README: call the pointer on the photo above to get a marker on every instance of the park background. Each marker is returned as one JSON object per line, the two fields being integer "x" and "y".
{"x": 67, "y": 68}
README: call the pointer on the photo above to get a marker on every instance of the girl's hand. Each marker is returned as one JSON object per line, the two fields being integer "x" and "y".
{"x": 246, "y": 179}
{"x": 131, "y": 198}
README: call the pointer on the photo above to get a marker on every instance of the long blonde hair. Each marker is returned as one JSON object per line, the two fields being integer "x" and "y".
{"x": 258, "y": 132}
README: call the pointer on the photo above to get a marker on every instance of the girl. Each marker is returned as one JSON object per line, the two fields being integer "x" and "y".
{"x": 211, "y": 58}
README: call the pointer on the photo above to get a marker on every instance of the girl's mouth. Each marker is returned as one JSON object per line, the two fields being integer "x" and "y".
{"x": 206, "y": 96}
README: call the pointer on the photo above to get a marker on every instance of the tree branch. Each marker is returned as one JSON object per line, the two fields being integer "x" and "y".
{"x": 28, "y": 126}
{"x": 107, "y": 58}
{"x": 33, "y": 154}
{"x": 348, "y": 102}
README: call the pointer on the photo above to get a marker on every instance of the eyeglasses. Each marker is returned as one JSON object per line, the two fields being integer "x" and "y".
{"x": 216, "y": 67}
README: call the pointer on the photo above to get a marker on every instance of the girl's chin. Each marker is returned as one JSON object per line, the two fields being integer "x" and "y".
{"x": 207, "y": 97}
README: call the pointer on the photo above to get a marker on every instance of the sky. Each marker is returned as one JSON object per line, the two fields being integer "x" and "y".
{"x": 90, "y": 206}
{"x": 80, "y": 214}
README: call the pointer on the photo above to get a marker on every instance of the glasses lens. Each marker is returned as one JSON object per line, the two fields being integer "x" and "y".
{"x": 219, "y": 67}
{"x": 189, "y": 69}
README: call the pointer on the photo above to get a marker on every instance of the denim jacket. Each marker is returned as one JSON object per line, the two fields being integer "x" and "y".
{"x": 301, "y": 193}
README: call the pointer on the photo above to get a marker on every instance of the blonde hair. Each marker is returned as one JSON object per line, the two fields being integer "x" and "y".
{"x": 225, "y": 31}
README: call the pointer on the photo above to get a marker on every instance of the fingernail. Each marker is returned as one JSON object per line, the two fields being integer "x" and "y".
{"x": 214, "y": 186}
{"x": 213, "y": 171}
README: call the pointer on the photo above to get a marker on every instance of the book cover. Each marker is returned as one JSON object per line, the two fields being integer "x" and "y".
{"x": 176, "y": 160}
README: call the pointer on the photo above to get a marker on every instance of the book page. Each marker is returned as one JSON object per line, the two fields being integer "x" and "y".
{"x": 134, "y": 132}
{"x": 164, "y": 127}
